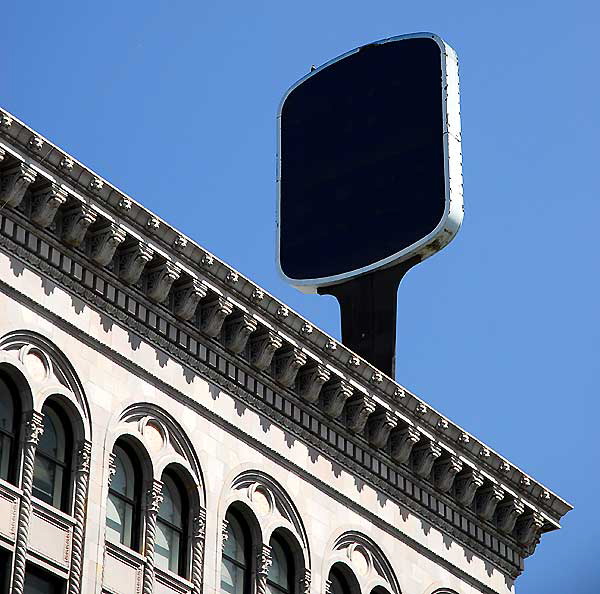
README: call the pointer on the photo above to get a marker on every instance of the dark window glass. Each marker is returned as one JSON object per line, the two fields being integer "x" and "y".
{"x": 40, "y": 582}
{"x": 51, "y": 473}
{"x": 362, "y": 159}
{"x": 235, "y": 565}
{"x": 4, "y": 571}
{"x": 122, "y": 509}
{"x": 171, "y": 526}
{"x": 9, "y": 415}
{"x": 280, "y": 578}
{"x": 340, "y": 584}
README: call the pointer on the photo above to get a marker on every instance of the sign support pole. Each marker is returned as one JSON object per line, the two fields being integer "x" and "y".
{"x": 368, "y": 307}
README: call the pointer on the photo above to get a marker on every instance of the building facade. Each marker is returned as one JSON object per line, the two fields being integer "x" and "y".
{"x": 166, "y": 426}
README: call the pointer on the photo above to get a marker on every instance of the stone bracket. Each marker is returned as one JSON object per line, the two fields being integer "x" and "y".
{"x": 358, "y": 411}
{"x": 213, "y": 314}
{"x": 379, "y": 428}
{"x": 133, "y": 261}
{"x": 528, "y": 527}
{"x": 466, "y": 485}
{"x": 106, "y": 242}
{"x": 507, "y": 514}
{"x": 237, "y": 330}
{"x": 76, "y": 223}
{"x": 14, "y": 184}
{"x": 262, "y": 347}
{"x": 186, "y": 298}
{"x": 402, "y": 443}
{"x": 159, "y": 281}
{"x": 46, "y": 203}
{"x": 286, "y": 364}
{"x": 334, "y": 396}
{"x": 445, "y": 471}
{"x": 487, "y": 499}
{"x": 423, "y": 457}
{"x": 310, "y": 380}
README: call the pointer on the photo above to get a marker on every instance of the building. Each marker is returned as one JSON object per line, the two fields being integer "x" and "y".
{"x": 167, "y": 426}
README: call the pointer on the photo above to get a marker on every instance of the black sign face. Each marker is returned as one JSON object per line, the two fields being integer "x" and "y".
{"x": 361, "y": 160}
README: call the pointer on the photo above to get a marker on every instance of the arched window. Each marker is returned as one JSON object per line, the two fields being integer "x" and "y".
{"x": 9, "y": 414}
{"x": 51, "y": 474}
{"x": 235, "y": 566}
{"x": 341, "y": 581}
{"x": 122, "y": 509}
{"x": 171, "y": 539}
{"x": 280, "y": 579}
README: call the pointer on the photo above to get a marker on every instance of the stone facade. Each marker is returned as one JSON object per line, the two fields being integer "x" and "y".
{"x": 136, "y": 333}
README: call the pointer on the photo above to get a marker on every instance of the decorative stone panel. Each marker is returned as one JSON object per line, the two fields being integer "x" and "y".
{"x": 9, "y": 511}
{"x": 50, "y": 534}
{"x": 123, "y": 570}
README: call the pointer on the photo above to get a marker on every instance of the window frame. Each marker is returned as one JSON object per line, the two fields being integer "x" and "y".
{"x": 291, "y": 567}
{"x": 135, "y": 501}
{"x": 11, "y": 437}
{"x": 247, "y": 566}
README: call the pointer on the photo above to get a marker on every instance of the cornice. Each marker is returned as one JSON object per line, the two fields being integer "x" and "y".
{"x": 85, "y": 216}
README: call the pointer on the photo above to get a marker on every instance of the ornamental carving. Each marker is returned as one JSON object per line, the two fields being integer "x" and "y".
{"x": 14, "y": 184}
{"x": 133, "y": 261}
{"x": 445, "y": 471}
{"x": 45, "y": 204}
{"x": 237, "y": 330}
{"x": 528, "y": 527}
{"x": 423, "y": 457}
{"x": 76, "y": 222}
{"x": 34, "y": 427}
{"x": 487, "y": 499}
{"x": 507, "y": 514}
{"x": 213, "y": 314}
{"x": 466, "y": 485}
{"x": 154, "y": 496}
{"x": 358, "y": 410}
{"x": 262, "y": 347}
{"x": 310, "y": 380}
{"x": 380, "y": 427}
{"x": 105, "y": 242}
{"x": 186, "y": 298}
{"x": 286, "y": 365}
{"x": 36, "y": 143}
{"x": 334, "y": 396}
{"x": 402, "y": 443}
{"x": 159, "y": 280}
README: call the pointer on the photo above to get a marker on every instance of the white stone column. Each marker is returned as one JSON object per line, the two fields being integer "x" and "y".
{"x": 152, "y": 506}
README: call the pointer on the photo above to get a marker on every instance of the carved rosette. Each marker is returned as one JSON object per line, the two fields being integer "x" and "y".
{"x": 466, "y": 484}
{"x": 263, "y": 564}
{"x": 160, "y": 280}
{"x": 46, "y": 203}
{"x": 507, "y": 514}
{"x": 286, "y": 365}
{"x": 34, "y": 427}
{"x": 528, "y": 528}
{"x": 334, "y": 396}
{"x": 262, "y": 347}
{"x": 310, "y": 380}
{"x": 213, "y": 314}
{"x": 237, "y": 330}
{"x": 76, "y": 223}
{"x": 358, "y": 411}
{"x": 198, "y": 538}
{"x": 424, "y": 456}
{"x": 487, "y": 499}
{"x": 14, "y": 184}
{"x": 380, "y": 427}
{"x": 187, "y": 297}
{"x": 84, "y": 454}
{"x": 132, "y": 262}
{"x": 154, "y": 499}
{"x": 106, "y": 242}
{"x": 224, "y": 534}
{"x": 402, "y": 443}
{"x": 445, "y": 471}
{"x": 112, "y": 468}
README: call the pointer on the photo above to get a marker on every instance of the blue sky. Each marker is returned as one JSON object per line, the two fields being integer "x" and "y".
{"x": 175, "y": 103}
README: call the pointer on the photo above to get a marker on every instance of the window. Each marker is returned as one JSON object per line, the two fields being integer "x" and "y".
{"x": 171, "y": 539}
{"x": 122, "y": 509}
{"x": 51, "y": 473}
{"x": 40, "y": 582}
{"x": 341, "y": 580}
{"x": 281, "y": 572}
{"x": 235, "y": 567}
{"x": 5, "y": 559}
{"x": 8, "y": 419}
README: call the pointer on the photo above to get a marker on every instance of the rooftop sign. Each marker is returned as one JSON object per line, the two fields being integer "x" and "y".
{"x": 369, "y": 164}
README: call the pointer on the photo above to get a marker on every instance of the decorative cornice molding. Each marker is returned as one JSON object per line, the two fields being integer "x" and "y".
{"x": 402, "y": 443}
{"x": 310, "y": 381}
{"x": 358, "y": 411}
{"x": 45, "y": 204}
{"x": 334, "y": 396}
{"x": 133, "y": 260}
{"x": 76, "y": 222}
{"x": 286, "y": 364}
{"x": 14, "y": 184}
{"x": 186, "y": 298}
{"x": 213, "y": 314}
{"x": 445, "y": 471}
{"x": 380, "y": 426}
{"x": 237, "y": 330}
{"x": 262, "y": 347}
{"x": 104, "y": 243}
